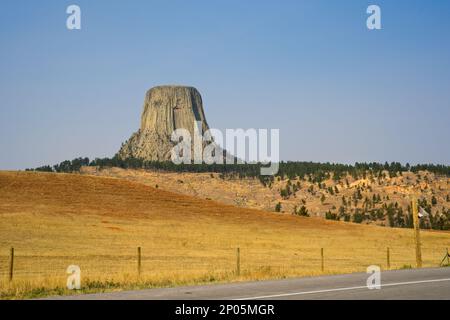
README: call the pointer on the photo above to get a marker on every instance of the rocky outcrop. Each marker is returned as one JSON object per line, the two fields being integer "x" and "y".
{"x": 166, "y": 108}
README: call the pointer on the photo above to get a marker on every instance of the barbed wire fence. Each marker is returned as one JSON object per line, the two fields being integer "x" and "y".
{"x": 238, "y": 261}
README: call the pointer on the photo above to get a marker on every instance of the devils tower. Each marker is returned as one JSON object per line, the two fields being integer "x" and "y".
{"x": 166, "y": 108}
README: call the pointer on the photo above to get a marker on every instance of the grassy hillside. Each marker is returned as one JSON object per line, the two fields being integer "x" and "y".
{"x": 54, "y": 220}
{"x": 381, "y": 200}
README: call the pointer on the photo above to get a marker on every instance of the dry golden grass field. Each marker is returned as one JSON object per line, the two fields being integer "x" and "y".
{"x": 54, "y": 220}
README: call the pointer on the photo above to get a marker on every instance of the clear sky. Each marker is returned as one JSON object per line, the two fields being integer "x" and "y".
{"x": 337, "y": 91}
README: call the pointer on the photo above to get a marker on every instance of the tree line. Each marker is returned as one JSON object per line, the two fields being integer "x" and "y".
{"x": 313, "y": 171}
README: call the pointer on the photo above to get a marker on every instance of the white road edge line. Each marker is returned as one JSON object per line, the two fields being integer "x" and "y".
{"x": 340, "y": 289}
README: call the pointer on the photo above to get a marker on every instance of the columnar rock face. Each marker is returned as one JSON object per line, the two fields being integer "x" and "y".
{"x": 166, "y": 108}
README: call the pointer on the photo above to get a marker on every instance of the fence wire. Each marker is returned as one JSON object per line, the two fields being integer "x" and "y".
{"x": 173, "y": 261}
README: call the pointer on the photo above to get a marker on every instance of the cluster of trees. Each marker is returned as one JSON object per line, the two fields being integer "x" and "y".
{"x": 71, "y": 166}
{"x": 395, "y": 216}
{"x": 302, "y": 211}
{"x": 311, "y": 171}
{"x": 42, "y": 169}
{"x": 441, "y": 221}
{"x": 66, "y": 166}
{"x": 318, "y": 172}
{"x": 367, "y": 202}
{"x": 342, "y": 215}
{"x": 435, "y": 168}
{"x": 290, "y": 189}
{"x": 239, "y": 170}
{"x": 393, "y": 213}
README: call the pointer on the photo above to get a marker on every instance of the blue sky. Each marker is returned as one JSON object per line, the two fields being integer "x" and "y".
{"x": 337, "y": 91}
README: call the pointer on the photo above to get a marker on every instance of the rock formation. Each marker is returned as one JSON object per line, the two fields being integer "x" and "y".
{"x": 166, "y": 108}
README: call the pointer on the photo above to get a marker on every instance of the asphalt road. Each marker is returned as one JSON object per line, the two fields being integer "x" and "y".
{"x": 401, "y": 284}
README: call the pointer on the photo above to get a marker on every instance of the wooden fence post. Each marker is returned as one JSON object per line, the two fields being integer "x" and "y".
{"x": 322, "y": 260}
{"x": 139, "y": 261}
{"x": 238, "y": 262}
{"x": 11, "y": 264}
{"x": 388, "y": 257}
{"x": 415, "y": 213}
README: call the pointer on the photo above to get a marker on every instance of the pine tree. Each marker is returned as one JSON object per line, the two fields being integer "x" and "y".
{"x": 278, "y": 207}
{"x": 303, "y": 212}
{"x": 433, "y": 201}
{"x": 358, "y": 217}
